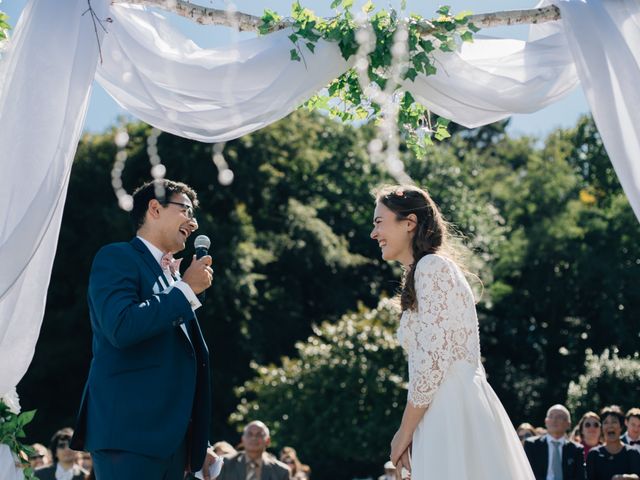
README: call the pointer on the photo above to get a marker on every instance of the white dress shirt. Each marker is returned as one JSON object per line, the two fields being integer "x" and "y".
{"x": 179, "y": 284}
{"x": 62, "y": 474}
{"x": 550, "y": 449}
{"x": 627, "y": 440}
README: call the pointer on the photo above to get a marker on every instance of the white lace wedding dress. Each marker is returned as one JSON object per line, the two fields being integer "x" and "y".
{"x": 465, "y": 432}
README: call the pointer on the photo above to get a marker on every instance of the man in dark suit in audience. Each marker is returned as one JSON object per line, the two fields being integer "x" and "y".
{"x": 632, "y": 421}
{"x": 553, "y": 456}
{"x": 254, "y": 463}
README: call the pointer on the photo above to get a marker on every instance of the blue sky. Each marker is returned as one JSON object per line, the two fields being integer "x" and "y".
{"x": 103, "y": 111}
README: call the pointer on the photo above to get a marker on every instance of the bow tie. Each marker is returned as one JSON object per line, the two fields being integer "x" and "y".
{"x": 634, "y": 442}
{"x": 169, "y": 263}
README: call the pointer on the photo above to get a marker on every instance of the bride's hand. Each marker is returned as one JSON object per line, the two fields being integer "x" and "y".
{"x": 405, "y": 460}
{"x": 403, "y": 463}
{"x": 395, "y": 449}
{"x": 398, "y": 446}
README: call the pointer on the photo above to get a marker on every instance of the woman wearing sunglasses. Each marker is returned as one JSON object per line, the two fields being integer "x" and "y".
{"x": 590, "y": 432}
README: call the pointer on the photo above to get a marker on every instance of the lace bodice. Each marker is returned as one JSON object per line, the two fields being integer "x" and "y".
{"x": 442, "y": 331}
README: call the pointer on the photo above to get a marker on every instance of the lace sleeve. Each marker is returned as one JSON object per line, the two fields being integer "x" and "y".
{"x": 434, "y": 348}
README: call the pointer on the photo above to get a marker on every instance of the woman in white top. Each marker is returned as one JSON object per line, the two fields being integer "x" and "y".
{"x": 454, "y": 426}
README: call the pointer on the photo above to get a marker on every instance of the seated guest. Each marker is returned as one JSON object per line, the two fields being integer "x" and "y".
{"x": 41, "y": 456}
{"x": 223, "y": 448}
{"x": 553, "y": 456}
{"x": 525, "y": 430}
{"x": 65, "y": 460}
{"x": 289, "y": 457}
{"x": 632, "y": 422}
{"x": 389, "y": 471}
{"x": 254, "y": 463}
{"x": 590, "y": 432}
{"x": 614, "y": 460}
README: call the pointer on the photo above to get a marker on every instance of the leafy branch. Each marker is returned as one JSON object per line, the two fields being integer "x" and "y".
{"x": 4, "y": 26}
{"x": 344, "y": 98}
{"x": 12, "y": 430}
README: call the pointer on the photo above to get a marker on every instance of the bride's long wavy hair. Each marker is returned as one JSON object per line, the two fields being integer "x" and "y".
{"x": 432, "y": 234}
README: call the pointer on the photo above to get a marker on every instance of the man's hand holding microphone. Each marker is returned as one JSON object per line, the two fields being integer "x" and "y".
{"x": 199, "y": 275}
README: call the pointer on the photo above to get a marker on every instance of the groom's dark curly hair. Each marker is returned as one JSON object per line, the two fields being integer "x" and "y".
{"x": 161, "y": 190}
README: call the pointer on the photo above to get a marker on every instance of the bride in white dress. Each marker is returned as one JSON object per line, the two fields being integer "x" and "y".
{"x": 454, "y": 426}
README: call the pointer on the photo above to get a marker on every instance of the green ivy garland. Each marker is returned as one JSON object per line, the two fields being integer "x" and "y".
{"x": 344, "y": 98}
{"x": 4, "y": 26}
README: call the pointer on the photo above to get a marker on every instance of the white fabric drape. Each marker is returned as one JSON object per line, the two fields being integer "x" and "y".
{"x": 161, "y": 77}
{"x": 47, "y": 74}
{"x": 604, "y": 39}
{"x": 8, "y": 469}
{"x": 210, "y": 95}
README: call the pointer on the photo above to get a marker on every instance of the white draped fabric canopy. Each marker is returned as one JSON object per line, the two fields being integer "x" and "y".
{"x": 215, "y": 95}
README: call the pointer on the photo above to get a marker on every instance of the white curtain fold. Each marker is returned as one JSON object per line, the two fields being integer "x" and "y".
{"x": 209, "y": 95}
{"x": 604, "y": 40}
{"x": 47, "y": 73}
{"x": 214, "y": 95}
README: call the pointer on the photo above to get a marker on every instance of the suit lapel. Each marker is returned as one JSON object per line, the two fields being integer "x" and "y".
{"x": 160, "y": 282}
{"x": 266, "y": 471}
{"x": 147, "y": 257}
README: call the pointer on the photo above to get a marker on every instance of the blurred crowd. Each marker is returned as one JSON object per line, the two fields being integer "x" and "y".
{"x": 601, "y": 446}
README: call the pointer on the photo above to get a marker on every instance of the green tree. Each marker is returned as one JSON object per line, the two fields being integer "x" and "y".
{"x": 608, "y": 379}
{"x": 339, "y": 400}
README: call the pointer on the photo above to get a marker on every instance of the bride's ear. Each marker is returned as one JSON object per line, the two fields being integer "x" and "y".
{"x": 412, "y": 222}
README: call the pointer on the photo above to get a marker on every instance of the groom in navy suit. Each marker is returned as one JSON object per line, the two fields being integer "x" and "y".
{"x": 145, "y": 410}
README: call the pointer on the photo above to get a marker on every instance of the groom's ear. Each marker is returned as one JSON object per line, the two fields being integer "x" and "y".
{"x": 153, "y": 208}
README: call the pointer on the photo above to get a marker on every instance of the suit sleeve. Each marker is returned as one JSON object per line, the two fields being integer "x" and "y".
{"x": 579, "y": 460}
{"x": 635, "y": 462}
{"x": 120, "y": 314}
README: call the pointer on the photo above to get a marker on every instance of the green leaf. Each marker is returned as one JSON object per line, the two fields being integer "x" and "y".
{"x": 368, "y": 7}
{"x": 269, "y": 19}
{"x": 347, "y": 4}
{"x": 335, "y": 3}
{"x": 294, "y": 55}
{"x": 441, "y": 134}
{"x": 427, "y": 46}
{"x": 27, "y": 417}
{"x": 293, "y": 37}
{"x": 444, "y": 10}
{"x": 311, "y": 46}
{"x": 462, "y": 16}
{"x": 467, "y": 36}
{"x": 411, "y": 74}
{"x": 473, "y": 28}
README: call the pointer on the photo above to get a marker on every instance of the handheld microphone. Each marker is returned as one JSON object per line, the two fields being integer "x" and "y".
{"x": 201, "y": 244}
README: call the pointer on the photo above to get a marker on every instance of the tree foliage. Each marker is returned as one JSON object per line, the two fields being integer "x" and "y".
{"x": 608, "y": 379}
{"x": 345, "y": 382}
{"x": 553, "y": 237}
{"x": 344, "y": 98}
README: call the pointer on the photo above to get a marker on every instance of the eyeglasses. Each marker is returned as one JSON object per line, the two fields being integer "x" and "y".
{"x": 591, "y": 424}
{"x": 188, "y": 209}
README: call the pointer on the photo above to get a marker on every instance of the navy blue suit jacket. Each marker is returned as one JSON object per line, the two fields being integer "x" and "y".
{"x": 148, "y": 385}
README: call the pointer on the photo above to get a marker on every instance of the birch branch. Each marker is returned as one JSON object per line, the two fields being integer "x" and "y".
{"x": 251, "y": 23}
